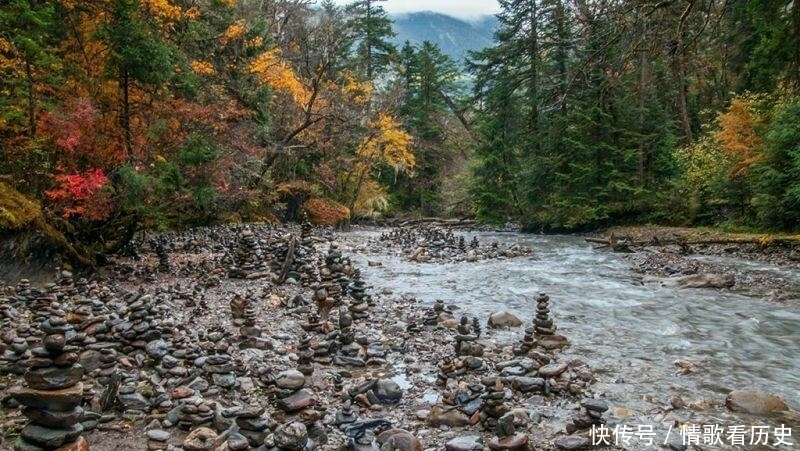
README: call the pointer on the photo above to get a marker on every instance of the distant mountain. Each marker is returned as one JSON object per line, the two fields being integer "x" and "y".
{"x": 454, "y": 36}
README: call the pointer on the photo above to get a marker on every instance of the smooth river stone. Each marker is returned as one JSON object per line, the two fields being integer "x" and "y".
{"x": 754, "y": 402}
{"x": 53, "y": 378}
{"x": 50, "y": 438}
{"x": 53, "y": 419}
{"x": 553, "y": 369}
{"x": 57, "y": 400}
{"x": 292, "y": 436}
{"x": 297, "y": 401}
{"x": 593, "y": 404}
{"x": 573, "y": 443}
{"x": 290, "y": 380}
{"x": 467, "y": 443}
{"x": 512, "y": 443}
{"x": 54, "y": 343}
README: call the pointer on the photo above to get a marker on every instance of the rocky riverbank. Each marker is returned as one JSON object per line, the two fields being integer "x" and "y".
{"x": 756, "y": 266}
{"x": 257, "y": 337}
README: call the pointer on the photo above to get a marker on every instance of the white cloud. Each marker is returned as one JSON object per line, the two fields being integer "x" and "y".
{"x": 457, "y": 8}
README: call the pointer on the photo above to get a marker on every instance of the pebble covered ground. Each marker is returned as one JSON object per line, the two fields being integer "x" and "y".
{"x": 263, "y": 337}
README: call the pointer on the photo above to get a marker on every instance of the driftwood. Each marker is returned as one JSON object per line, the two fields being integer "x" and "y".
{"x": 624, "y": 245}
{"x": 405, "y": 222}
{"x": 109, "y": 396}
{"x": 628, "y": 244}
{"x": 287, "y": 262}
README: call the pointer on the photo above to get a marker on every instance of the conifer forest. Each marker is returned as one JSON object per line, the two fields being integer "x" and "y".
{"x": 125, "y": 115}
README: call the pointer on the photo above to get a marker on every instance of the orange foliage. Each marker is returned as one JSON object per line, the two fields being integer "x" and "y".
{"x": 738, "y": 137}
{"x": 389, "y": 144}
{"x": 271, "y": 70}
{"x": 324, "y": 212}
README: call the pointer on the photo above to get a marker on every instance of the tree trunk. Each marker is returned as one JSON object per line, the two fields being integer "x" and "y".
{"x": 680, "y": 75}
{"x": 125, "y": 115}
{"x": 31, "y": 99}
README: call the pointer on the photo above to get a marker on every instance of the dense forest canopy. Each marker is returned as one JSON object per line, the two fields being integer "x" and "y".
{"x": 122, "y": 114}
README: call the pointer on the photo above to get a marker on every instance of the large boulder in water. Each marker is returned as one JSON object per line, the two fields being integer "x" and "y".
{"x": 502, "y": 320}
{"x": 755, "y": 403}
{"x": 700, "y": 281}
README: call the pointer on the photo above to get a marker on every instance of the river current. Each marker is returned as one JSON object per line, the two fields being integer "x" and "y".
{"x": 646, "y": 343}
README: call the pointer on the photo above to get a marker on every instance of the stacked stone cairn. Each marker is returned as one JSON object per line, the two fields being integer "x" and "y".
{"x": 292, "y": 396}
{"x": 305, "y": 356}
{"x": 253, "y": 426}
{"x": 474, "y": 244}
{"x": 466, "y": 339}
{"x": 13, "y": 349}
{"x": 433, "y": 316}
{"x": 361, "y": 300}
{"x": 248, "y": 259}
{"x": 507, "y": 438}
{"x": 199, "y": 414}
{"x": 245, "y": 313}
{"x": 346, "y": 415}
{"x": 450, "y": 369}
{"x": 220, "y": 366}
{"x": 54, "y": 391}
{"x": 591, "y": 414}
{"x": 139, "y": 325}
{"x": 544, "y": 327}
{"x": 494, "y": 406}
{"x": 162, "y": 254}
{"x": 157, "y": 439}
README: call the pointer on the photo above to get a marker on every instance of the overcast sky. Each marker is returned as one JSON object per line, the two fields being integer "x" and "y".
{"x": 457, "y": 8}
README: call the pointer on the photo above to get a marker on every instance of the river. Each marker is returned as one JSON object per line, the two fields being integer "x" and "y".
{"x": 638, "y": 338}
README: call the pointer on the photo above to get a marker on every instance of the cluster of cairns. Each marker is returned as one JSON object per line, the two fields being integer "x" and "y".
{"x": 434, "y": 244}
{"x": 142, "y": 355}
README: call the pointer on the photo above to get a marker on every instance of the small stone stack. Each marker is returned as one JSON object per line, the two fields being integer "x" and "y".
{"x": 220, "y": 368}
{"x": 346, "y": 415}
{"x": 162, "y": 254}
{"x": 507, "y": 438}
{"x": 591, "y": 415}
{"x": 466, "y": 340}
{"x": 433, "y": 316}
{"x": 249, "y": 257}
{"x": 107, "y": 367}
{"x": 305, "y": 356}
{"x": 528, "y": 342}
{"x": 196, "y": 415}
{"x": 542, "y": 323}
{"x": 54, "y": 390}
{"x": 474, "y": 244}
{"x": 252, "y": 425}
{"x": 494, "y": 406}
{"x": 249, "y": 332}
{"x": 12, "y": 347}
{"x": 361, "y": 300}
{"x": 449, "y": 369}
{"x": 157, "y": 439}
{"x": 138, "y": 326}
{"x": 304, "y": 261}
{"x": 544, "y": 327}
{"x": 290, "y": 391}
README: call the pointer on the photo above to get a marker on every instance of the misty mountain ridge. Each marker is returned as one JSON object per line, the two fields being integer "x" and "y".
{"x": 455, "y": 37}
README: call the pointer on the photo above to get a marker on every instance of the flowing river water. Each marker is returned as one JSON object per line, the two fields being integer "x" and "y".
{"x": 646, "y": 343}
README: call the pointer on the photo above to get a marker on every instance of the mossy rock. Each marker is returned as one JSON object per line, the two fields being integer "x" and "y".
{"x": 30, "y": 246}
{"x": 16, "y": 211}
